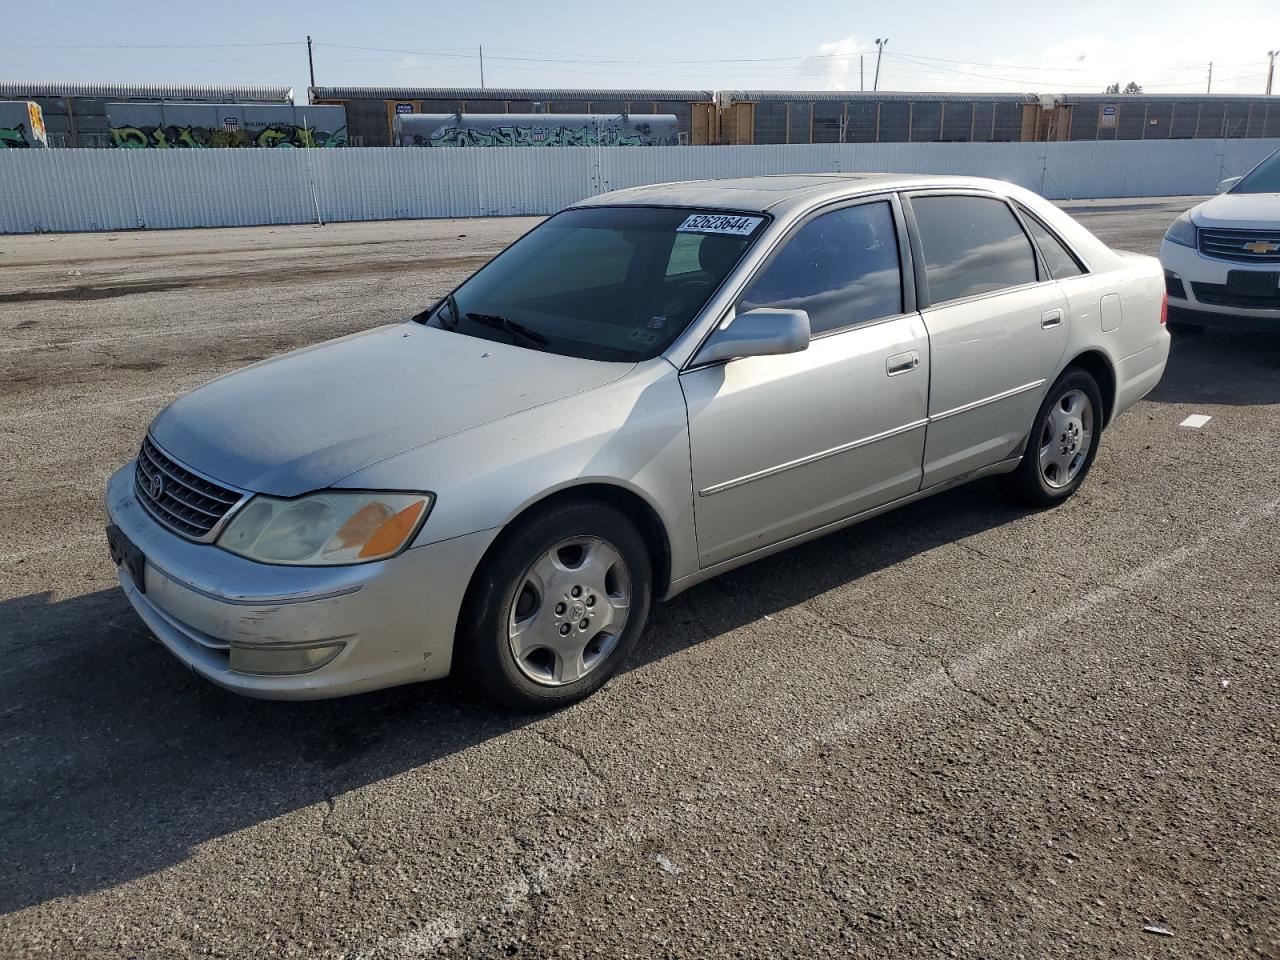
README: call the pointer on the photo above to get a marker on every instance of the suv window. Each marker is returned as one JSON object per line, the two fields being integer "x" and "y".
{"x": 1061, "y": 262}
{"x": 841, "y": 267}
{"x": 972, "y": 245}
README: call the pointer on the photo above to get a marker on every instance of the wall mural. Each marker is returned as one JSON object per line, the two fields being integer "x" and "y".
{"x": 193, "y": 137}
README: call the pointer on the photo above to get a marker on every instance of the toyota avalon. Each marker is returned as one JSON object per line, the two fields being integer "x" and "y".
{"x": 650, "y": 388}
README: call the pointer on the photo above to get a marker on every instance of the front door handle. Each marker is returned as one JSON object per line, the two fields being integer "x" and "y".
{"x": 1050, "y": 319}
{"x": 901, "y": 363}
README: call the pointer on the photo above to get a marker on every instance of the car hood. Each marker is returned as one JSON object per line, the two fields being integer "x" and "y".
{"x": 305, "y": 420}
{"x": 1243, "y": 210}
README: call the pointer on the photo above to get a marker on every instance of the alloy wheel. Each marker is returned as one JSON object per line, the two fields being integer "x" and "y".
{"x": 569, "y": 611}
{"x": 1066, "y": 439}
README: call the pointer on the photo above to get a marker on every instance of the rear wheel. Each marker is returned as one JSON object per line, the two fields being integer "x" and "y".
{"x": 1063, "y": 442}
{"x": 557, "y": 607}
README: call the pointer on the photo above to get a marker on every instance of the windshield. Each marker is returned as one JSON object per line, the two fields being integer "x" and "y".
{"x": 1264, "y": 178}
{"x": 603, "y": 283}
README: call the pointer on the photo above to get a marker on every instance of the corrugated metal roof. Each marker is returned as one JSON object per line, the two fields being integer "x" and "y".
{"x": 20, "y": 88}
{"x": 801, "y": 96}
{"x": 500, "y": 93}
{"x": 1164, "y": 97}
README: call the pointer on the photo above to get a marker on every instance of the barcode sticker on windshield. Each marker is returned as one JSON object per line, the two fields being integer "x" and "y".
{"x": 719, "y": 223}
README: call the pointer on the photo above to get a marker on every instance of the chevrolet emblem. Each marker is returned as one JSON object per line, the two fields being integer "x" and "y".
{"x": 1262, "y": 246}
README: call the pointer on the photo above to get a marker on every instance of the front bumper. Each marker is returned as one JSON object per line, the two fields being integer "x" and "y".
{"x": 1184, "y": 267}
{"x": 395, "y": 619}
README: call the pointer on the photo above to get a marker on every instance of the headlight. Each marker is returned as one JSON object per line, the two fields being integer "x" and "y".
{"x": 326, "y": 528}
{"x": 1182, "y": 231}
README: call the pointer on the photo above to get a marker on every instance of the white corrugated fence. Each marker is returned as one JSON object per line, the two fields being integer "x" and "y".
{"x": 68, "y": 190}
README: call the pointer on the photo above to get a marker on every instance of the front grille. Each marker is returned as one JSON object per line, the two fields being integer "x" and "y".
{"x": 1225, "y": 244}
{"x": 1219, "y": 295}
{"x": 183, "y": 501}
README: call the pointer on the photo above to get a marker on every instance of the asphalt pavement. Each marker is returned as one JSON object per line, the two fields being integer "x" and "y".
{"x": 961, "y": 730}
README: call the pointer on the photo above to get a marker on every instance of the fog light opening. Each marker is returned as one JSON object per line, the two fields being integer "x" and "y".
{"x": 274, "y": 660}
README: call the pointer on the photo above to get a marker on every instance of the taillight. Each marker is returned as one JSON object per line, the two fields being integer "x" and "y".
{"x": 1164, "y": 309}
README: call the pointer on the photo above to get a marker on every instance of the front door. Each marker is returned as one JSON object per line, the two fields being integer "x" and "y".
{"x": 782, "y": 445}
{"x": 997, "y": 330}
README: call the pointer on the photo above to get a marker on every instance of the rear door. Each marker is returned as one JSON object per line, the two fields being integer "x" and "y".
{"x": 782, "y": 445}
{"x": 997, "y": 329}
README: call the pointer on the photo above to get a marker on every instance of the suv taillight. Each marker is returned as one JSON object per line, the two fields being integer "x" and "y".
{"x": 1164, "y": 309}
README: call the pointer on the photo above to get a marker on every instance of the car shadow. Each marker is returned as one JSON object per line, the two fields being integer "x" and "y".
{"x": 1218, "y": 366}
{"x": 118, "y": 761}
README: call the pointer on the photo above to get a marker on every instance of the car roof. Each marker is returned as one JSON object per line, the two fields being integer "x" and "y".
{"x": 776, "y": 193}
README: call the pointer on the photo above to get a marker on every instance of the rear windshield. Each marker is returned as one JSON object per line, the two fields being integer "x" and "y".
{"x": 605, "y": 283}
{"x": 1264, "y": 178}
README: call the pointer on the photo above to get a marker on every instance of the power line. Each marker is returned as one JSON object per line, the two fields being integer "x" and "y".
{"x": 147, "y": 46}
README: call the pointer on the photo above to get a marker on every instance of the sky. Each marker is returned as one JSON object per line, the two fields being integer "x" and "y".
{"x": 980, "y": 45}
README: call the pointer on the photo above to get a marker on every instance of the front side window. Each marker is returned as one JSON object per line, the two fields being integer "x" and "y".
{"x": 972, "y": 245}
{"x": 603, "y": 283}
{"x": 841, "y": 268}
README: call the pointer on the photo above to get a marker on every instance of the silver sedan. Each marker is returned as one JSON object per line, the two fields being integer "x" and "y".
{"x": 648, "y": 389}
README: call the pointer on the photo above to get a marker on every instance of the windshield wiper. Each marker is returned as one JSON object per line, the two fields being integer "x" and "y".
{"x": 514, "y": 327}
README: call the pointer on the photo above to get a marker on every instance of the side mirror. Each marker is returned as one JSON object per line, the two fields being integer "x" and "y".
{"x": 757, "y": 333}
{"x": 1228, "y": 183}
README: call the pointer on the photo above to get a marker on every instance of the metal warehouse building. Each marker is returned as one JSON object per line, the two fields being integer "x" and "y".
{"x": 372, "y": 110}
{"x": 75, "y": 114}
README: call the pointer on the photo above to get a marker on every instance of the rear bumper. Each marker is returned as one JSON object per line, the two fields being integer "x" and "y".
{"x": 1138, "y": 374}
{"x": 393, "y": 621}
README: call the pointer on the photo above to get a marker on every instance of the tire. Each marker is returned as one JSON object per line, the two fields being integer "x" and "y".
{"x": 556, "y": 582}
{"x": 1062, "y": 444}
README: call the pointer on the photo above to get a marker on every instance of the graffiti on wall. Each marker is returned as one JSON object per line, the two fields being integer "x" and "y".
{"x": 22, "y": 126}
{"x": 514, "y": 136}
{"x": 193, "y": 137}
{"x": 535, "y": 130}
{"x": 12, "y": 138}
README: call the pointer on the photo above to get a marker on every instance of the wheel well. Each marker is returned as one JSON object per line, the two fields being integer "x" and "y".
{"x": 631, "y": 505}
{"x": 1097, "y": 365}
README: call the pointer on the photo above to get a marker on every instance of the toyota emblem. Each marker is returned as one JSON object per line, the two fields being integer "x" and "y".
{"x": 156, "y": 485}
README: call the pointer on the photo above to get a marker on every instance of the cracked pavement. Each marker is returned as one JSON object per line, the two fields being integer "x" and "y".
{"x": 961, "y": 730}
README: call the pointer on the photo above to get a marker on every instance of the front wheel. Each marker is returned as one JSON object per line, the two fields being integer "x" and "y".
{"x": 1063, "y": 442}
{"x": 557, "y": 607}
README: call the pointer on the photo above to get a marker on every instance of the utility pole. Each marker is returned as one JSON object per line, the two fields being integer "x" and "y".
{"x": 482, "y": 66}
{"x": 1209, "y": 88}
{"x": 862, "y": 82}
{"x": 1271, "y": 70}
{"x": 880, "y": 45}
{"x": 311, "y": 63}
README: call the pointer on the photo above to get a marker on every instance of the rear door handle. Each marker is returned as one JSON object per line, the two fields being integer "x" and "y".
{"x": 901, "y": 363}
{"x": 1050, "y": 319}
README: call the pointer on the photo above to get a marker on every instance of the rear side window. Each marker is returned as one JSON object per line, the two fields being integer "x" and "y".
{"x": 1060, "y": 260}
{"x": 841, "y": 267}
{"x": 972, "y": 245}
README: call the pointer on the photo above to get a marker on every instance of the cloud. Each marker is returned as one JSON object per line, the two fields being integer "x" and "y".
{"x": 838, "y": 63}
{"x": 1080, "y": 64}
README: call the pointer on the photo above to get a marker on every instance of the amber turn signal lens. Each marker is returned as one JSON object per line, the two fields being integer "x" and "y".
{"x": 362, "y": 525}
{"x": 388, "y": 537}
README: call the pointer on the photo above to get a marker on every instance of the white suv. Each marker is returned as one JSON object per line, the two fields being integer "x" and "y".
{"x": 1222, "y": 259}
